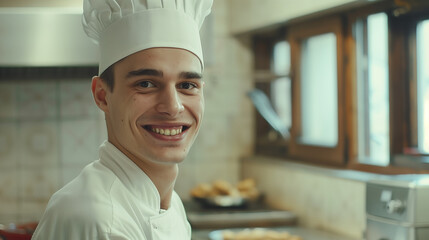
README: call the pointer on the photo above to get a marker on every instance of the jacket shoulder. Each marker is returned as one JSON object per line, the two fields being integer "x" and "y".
{"x": 80, "y": 210}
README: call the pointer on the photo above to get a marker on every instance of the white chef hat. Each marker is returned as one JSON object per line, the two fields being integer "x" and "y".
{"x": 123, "y": 27}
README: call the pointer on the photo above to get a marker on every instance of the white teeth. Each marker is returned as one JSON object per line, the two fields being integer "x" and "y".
{"x": 167, "y": 132}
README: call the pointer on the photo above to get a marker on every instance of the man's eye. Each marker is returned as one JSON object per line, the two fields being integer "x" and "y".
{"x": 145, "y": 84}
{"x": 187, "y": 85}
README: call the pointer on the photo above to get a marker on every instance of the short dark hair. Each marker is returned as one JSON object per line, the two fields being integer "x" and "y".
{"x": 108, "y": 77}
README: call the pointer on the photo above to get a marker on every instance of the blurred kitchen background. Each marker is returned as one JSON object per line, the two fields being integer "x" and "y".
{"x": 335, "y": 135}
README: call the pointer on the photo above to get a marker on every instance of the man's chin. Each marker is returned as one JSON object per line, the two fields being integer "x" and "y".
{"x": 171, "y": 157}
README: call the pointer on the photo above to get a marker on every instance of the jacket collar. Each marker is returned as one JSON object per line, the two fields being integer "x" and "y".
{"x": 130, "y": 175}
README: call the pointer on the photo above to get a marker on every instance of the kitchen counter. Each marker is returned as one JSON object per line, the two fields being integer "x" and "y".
{"x": 257, "y": 215}
{"x": 253, "y": 215}
{"x": 305, "y": 233}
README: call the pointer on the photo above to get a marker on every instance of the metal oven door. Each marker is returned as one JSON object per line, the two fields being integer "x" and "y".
{"x": 377, "y": 230}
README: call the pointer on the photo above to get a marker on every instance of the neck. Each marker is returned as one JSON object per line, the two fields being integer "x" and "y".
{"x": 164, "y": 180}
{"x": 163, "y": 175}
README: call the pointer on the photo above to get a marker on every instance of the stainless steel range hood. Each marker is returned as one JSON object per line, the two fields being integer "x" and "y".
{"x": 41, "y": 37}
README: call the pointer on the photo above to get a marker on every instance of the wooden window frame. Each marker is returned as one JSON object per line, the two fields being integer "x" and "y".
{"x": 405, "y": 152}
{"x": 400, "y": 80}
{"x": 296, "y": 35}
{"x": 340, "y": 22}
{"x": 268, "y": 141}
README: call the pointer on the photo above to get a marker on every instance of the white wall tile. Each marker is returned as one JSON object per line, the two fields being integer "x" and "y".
{"x": 37, "y": 185}
{"x": 38, "y": 144}
{"x": 215, "y": 137}
{"x": 79, "y": 142}
{"x": 8, "y": 100}
{"x": 8, "y": 184}
{"x": 186, "y": 179}
{"x": 102, "y": 129}
{"x": 76, "y": 99}
{"x": 218, "y": 170}
{"x": 30, "y": 211}
{"x": 37, "y": 99}
{"x": 9, "y": 145}
{"x": 220, "y": 13}
{"x": 320, "y": 201}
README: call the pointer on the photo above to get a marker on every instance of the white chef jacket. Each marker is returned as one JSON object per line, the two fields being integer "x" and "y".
{"x": 112, "y": 199}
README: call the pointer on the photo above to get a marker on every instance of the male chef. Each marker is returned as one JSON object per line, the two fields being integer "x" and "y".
{"x": 151, "y": 92}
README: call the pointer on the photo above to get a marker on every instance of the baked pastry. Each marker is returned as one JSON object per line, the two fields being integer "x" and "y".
{"x": 258, "y": 234}
{"x": 245, "y": 189}
{"x": 201, "y": 190}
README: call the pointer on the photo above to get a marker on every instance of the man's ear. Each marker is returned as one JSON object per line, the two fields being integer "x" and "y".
{"x": 99, "y": 92}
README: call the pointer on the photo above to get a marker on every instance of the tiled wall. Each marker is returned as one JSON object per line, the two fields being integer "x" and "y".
{"x": 321, "y": 199}
{"x": 49, "y": 129}
{"x": 41, "y": 3}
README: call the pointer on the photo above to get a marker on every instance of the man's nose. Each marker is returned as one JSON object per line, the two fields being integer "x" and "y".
{"x": 170, "y": 102}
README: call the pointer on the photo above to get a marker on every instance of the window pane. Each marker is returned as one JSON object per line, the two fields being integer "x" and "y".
{"x": 281, "y": 97}
{"x": 423, "y": 86}
{"x": 373, "y": 89}
{"x": 281, "y": 87}
{"x": 319, "y": 91}
{"x": 281, "y": 58}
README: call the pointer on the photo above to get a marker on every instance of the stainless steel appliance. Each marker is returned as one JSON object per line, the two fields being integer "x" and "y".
{"x": 398, "y": 208}
{"x": 44, "y": 37}
{"x": 54, "y": 37}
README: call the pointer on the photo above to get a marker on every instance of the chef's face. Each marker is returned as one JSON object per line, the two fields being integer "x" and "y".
{"x": 155, "y": 109}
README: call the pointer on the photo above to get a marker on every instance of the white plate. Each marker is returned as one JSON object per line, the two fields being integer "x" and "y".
{"x": 218, "y": 234}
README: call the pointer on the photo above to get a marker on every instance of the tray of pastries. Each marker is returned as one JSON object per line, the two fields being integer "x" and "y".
{"x": 221, "y": 193}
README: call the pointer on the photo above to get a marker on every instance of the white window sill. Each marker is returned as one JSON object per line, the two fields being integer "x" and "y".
{"x": 347, "y": 174}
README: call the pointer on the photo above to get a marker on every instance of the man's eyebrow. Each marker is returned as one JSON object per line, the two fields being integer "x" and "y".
{"x": 157, "y": 73}
{"x": 145, "y": 72}
{"x": 190, "y": 75}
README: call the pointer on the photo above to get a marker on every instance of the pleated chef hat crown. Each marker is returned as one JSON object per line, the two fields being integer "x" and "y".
{"x": 123, "y": 27}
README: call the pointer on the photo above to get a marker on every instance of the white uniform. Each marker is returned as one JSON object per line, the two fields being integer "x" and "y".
{"x": 112, "y": 199}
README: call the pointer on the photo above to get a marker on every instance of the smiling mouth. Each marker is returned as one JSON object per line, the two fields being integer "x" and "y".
{"x": 166, "y": 131}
